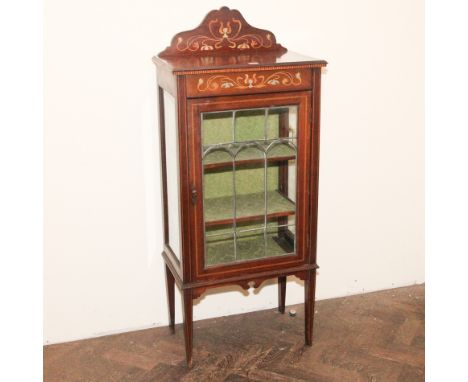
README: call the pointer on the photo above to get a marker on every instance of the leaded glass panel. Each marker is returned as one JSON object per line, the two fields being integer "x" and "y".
{"x": 249, "y": 183}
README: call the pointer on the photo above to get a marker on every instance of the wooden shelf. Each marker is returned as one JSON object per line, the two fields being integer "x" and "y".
{"x": 221, "y": 160}
{"x": 246, "y": 162}
{"x": 250, "y": 208}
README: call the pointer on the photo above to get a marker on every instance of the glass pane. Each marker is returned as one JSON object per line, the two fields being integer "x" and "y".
{"x": 250, "y": 125}
{"x": 282, "y": 149}
{"x": 217, "y": 128}
{"x": 250, "y": 243}
{"x": 281, "y": 193}
{"x": 172, "y": 171}
{"x": 282, "y": 122}
{"x": 219, "y": 247}
{"x": 218, "y": 188}
{"x": 249, "y": 183}
{"x": 280, "y": 239}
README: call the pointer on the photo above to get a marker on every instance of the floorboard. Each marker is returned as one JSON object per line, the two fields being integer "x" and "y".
{"x": 377, "y": 337}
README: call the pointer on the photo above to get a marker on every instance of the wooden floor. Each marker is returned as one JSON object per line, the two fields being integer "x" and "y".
{"x": 371, "y": 337}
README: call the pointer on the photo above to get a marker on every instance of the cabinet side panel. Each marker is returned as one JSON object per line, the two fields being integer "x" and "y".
{"x": 173, "y": 235}
{"x": 162, "y": 149}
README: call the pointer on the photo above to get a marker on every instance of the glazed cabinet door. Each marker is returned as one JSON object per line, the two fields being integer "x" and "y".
{"x": 249, "y": 177}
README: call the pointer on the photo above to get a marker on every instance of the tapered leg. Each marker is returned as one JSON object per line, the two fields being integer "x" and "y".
{"x": 188, "y": 324}
{"x": 281, "y": 293}
{"x": 309, "y": 306}
{"x": 170, "y": 283}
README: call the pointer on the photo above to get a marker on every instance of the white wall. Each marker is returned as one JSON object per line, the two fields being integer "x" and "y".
{"x": 103, "y": 270}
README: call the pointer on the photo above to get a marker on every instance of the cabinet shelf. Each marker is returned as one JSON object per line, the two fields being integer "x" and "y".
{"x": 249, "y": 207}
{"x": 221, "y": 159}
{"x": 247, "y": 162}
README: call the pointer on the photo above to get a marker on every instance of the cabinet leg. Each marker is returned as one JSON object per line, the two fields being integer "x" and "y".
{"x": 170, "y": 283}
{"x": 281, "y": 293}
{"x": 188, "y": 324}
{"x": 309, "y": 306}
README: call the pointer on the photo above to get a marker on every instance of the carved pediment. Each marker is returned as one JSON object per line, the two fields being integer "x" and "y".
{"x": 223, "y": 31}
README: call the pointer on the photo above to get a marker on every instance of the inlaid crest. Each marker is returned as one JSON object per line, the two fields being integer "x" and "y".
{"x": 222, "y": 31}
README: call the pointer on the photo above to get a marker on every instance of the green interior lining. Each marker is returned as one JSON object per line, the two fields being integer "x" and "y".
{"x": 250, "y": 125}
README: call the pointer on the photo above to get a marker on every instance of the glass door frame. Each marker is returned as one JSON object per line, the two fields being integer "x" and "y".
{"x": 195, "y": 109}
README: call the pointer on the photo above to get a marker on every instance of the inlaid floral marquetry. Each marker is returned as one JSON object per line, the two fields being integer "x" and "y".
{"x": 259, "y": 81}
{"x": 249, "y": 81}
{"x": 222, "y": 30}
{"x": 221, "y": 33}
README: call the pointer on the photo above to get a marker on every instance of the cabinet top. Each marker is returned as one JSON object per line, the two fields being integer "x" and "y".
{"x": 224, "y": 40}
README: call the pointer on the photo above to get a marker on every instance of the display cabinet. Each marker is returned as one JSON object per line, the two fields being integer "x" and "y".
{"x": 239, "y": 136}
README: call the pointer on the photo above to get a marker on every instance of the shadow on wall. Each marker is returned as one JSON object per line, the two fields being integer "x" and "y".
{"x": 237, "y": 288}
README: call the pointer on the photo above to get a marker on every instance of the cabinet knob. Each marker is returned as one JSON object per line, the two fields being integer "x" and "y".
{"x": 194, "y": 195}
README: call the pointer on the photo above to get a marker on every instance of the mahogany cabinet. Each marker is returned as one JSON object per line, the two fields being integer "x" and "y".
{"x": 239, "y": 134}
